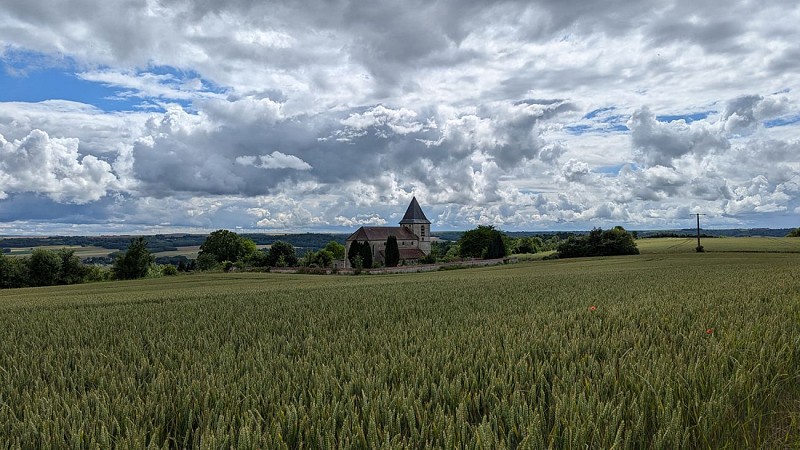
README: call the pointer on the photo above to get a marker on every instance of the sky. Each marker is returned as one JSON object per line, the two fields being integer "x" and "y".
{"x": 161, "y": 116}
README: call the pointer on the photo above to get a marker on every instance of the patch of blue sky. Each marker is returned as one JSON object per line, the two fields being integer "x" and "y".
{"x": 613, "y": 169}
{"x": 34, "y": 77}
{"x": 782, "y": 121}
{"x": 597, "y": 128}
{"x": 182, "y": 75}
{"x": 592, "y": 114}
{"x": 58, "y": 83}
{"x": 688, "y": 118}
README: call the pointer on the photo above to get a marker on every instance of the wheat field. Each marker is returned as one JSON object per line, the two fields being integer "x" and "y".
{"x": 650, "y": 351}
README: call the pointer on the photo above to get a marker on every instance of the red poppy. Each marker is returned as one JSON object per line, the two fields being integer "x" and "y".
{"x": 710, "y": 331}
{"x": 592, "y": 308}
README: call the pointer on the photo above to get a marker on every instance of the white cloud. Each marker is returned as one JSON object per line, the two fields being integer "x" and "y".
{"x": 53, "y": 167}
{"x": 300, "y": 115}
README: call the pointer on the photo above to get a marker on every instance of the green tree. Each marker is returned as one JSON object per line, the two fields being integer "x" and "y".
{"x": 615, "y": 241}
{"x": 336, "y": 249}
{"x": 308, "y": 259}
{"x": 281, "y": 254}
{"x": 392, "y": 252}
{"x": 527, "y": 245}
{"x": 794, "y": 233}
{"x": 13, "y": 272}
{"x": 497, "y": 248}
{"x": 72, "y": 270}
{"x": 324, "y": 258}
{"x": 366, "y": 255}
{"x": 475, "y": 243}
{"x": 353, "y": 251}
{"x": 135, "y": 262}
{"x": 226, "y": 245}
{"x": 44, "y": 267}
{"x": 207, "y": 261}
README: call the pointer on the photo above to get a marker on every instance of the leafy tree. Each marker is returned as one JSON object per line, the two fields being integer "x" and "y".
{"x": 358, "y": 264}
{"x": 169, "y": 270}
{"x": 324, "y": 258}
{"x": 794, "y": 233}
{"x": 135, "y": 262}
{"x": 226, "y": 245}
{"x": 531, "y": 244}
{"x": 497, "y": 248}
{"x": 206, "y": 261}
{"x": 392, "y": 252}
{"x": 353, "y": 251}
{"x": 308, "y": 259}
{"x": 616, "y": 241}
{"x": 281, "y": 254}
{"x": 259, "y": 259}
{"x": 336, "y": 249}
{"x": 366, "y": 254}
{"x": 44, "y": 267}
{"x": 475, "y": 243}
{"x": 13, "y": 272}
{"x": 72, "y": 269}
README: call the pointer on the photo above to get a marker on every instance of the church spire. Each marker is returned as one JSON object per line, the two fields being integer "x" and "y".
{"x": 414, "y": 214}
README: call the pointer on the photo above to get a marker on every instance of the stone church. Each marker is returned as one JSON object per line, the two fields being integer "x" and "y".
{"x": 413, "y": 237}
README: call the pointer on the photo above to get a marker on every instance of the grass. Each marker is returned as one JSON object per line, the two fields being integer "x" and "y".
{"x": 507, "y": 356}
{"x": 81, "y": 252}
{"x": 738, "y": 244}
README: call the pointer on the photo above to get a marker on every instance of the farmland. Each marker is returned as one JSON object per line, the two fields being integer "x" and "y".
{"x": 668, "y": 349}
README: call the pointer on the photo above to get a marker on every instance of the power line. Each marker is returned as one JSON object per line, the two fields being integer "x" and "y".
{"x": 699, "y": 247}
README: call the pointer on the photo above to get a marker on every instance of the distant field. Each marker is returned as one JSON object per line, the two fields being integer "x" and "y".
{"x": 81, "y": 252}
{"x": 733, "y": 244}
{"x": 680, "y": 351}
{"x": 190, "y": 252}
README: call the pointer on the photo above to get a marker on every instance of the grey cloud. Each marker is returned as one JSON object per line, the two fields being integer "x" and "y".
{"x": 712, "y": 35}
{"x": 660, "y": 143}
{"x": 741, "y": 115}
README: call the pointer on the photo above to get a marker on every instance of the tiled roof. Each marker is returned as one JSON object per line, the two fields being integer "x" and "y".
{"x": 381, "y": 234}
{"x": 407, "y": 253}
{"x": 414, "y": 214}
{"x": 411, "y": 253}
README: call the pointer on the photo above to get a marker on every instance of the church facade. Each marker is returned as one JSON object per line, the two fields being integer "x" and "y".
{"x": 413, "y": 237}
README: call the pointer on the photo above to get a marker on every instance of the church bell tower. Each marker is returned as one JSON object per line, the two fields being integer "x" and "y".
{"x": 415, "y": 220}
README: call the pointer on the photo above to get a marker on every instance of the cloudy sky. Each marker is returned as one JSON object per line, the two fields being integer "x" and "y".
{"x": 322, "y": 115}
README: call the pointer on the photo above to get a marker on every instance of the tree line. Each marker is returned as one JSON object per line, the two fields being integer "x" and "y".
{"x": 226, "y": 250}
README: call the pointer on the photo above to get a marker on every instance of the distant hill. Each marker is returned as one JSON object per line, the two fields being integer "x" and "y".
{"x": 316, "y": 241}
{"x": 169, "y": 242}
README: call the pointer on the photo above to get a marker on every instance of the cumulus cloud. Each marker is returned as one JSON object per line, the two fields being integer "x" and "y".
{"x": 53, "y": 167}
{"x": 742, "y": 114}
{"x": 659, "y": 143}
{"x": 331, "y": 114}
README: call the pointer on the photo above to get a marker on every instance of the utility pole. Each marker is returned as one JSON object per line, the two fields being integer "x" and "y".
{"x": 699, "y": 247}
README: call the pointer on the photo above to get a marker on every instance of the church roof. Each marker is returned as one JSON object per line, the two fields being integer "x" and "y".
{"x": 414, "y": 214}
{"x": 381, "y": 234}
{"x": 407, "y": 253}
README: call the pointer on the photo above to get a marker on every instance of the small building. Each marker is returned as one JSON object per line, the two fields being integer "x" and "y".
{"x": 413, "y": 237}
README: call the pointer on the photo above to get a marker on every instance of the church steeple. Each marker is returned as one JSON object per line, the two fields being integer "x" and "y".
{"x": 414, "y": 214}
{"x": 417, "y": 223}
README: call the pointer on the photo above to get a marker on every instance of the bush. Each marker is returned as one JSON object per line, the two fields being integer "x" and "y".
{"x": 169, "y": 270}
{"x": 482, "y": 242}
{"x": 44, "y": 267}
{"x": 135, "y": 262}
{"x": 616, "y": 241}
